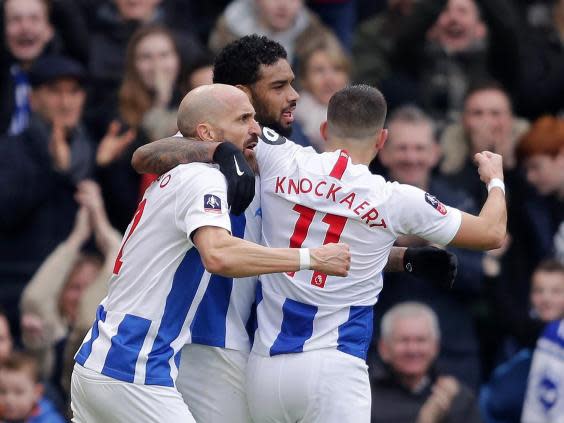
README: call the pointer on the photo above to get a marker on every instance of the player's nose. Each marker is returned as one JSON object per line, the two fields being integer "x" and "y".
{"x": 255, "y": 128}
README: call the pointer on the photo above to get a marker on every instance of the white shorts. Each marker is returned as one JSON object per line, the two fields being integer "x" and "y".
{"x": 212, "y": 383}
{"x": 98, "y": 398}
{"x": 324, "y": 386}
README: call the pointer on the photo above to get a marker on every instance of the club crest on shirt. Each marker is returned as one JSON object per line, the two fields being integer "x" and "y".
{"x": 212, "y": 203}
{"x": 436, "y": 204}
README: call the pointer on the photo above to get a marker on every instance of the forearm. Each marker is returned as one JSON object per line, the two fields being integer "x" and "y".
{"x": 234, "y": 257}
{"x": 41, "y": 294}
{"x": 395, "y": 260}
{"x": 487, "y": 230}
{"x": 160, "y": 156}
{"x": 494, "y": 213}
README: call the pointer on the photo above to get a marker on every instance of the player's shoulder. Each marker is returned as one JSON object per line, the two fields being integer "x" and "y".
{"x": 196, "y": 174}
{"x": 403, "y": 192}
{"x": 360, "y": 175}
{"x": 271, "y": 137}
{"x": 196, "y": 169}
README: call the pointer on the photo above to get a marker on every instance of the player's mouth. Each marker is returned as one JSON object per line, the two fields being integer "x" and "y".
{"x": 288, "y": 115}
{"x": 251, "y": 145}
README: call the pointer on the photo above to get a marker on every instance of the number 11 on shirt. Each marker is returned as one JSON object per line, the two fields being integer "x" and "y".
{"x": 333, "y": 234}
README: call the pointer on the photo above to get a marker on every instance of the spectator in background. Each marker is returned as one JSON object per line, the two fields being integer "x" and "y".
{"x": 544, "y": 402}
{"x": 6, "y": 341}
{"x": 50, "y": 302}
{"x": 199, "y": 73}
{"x": 373, "y": 42}
{"x": 146, "y": 110}
{"x": 408, "y": 388}
{"x": 149, "y": 95}
{"x": 288, "y": 22}
{"x": 441, "y": 46}
{"x": 410, "y": 155}
{"x": 39, "y": 170}
{"x": 487, "y": 123}
{"x": 323, "y": 69}
{"x": 21, "y": 393}
{"x": 33, "y": 28}
{"x": 501, "y": 400}
{"x": 113, "y": 26}
{"x": 540, "y": 88}
{"x": 542, "y": 150}
{"x": 27, "y": 31}
{"x": 339, "y": 15}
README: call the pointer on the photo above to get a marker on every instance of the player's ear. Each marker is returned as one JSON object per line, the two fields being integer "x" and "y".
{"x": 205, "y": 132}
{"x": 381, "y": 139}
{"x": 323, "y": 130}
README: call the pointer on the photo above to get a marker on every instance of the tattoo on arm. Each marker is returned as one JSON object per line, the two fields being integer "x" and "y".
{"x": 160, "y": 156}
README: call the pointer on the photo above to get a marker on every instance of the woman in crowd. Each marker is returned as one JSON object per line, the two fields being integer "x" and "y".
{"x": 323, "y": 69}
{"x": 147, "y": 103}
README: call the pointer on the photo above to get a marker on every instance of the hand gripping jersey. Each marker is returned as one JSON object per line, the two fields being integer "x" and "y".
{"x": 222, "y": 318}
{"x": 310, "y": 199}
{"x": 158, "y": 280}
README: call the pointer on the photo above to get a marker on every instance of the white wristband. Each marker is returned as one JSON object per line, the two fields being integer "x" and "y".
{"x": 305, "y": 260}
{"x": 496, "y": 182}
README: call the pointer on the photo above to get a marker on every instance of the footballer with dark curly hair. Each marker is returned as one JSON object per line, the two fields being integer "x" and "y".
{"x": 259, "y": 66}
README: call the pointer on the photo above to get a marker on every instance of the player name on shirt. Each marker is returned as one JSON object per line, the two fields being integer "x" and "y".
{"x": 333, "y": 192}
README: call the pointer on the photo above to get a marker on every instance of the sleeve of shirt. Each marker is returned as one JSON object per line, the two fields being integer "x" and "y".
{"x": 201, "y": 200}
{"x": 275, "y": 152}
{"x": 414, "y": 212}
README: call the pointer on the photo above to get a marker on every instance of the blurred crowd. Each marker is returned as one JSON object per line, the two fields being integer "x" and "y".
{"x": 83, "y": 83}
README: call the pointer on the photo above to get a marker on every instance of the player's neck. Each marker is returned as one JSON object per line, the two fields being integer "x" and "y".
{"x": 360, "y": 153}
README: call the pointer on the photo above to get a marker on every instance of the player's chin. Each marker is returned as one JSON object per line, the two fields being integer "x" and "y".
{"x": 249, "y": 154}
{"x": 251, "y": 159}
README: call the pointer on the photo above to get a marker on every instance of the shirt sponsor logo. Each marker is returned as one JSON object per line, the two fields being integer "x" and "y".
{"x": 437, "y": 205}
{"x": 212, "y": 203}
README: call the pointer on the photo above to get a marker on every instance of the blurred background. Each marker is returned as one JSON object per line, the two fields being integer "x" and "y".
{"x": 83, "y": 83}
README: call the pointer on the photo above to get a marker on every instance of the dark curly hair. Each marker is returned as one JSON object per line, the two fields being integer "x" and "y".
{"x": 239, "y": 62}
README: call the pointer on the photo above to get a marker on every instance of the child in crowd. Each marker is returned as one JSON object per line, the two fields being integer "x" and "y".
{"x": 21, "y": 393}
{"x": 501, "y": 399}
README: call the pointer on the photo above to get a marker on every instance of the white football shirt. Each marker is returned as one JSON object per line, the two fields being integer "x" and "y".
{"x": 225, "y": 317}
{"x": 310, "y": 199}
{"x": 158, "y": 280}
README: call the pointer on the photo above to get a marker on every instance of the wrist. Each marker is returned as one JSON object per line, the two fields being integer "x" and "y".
{"x": 305, "y": 259}
{"x": 496, "y": 183}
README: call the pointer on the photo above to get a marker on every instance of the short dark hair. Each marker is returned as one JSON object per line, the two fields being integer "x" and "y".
{"x": 486, "y": 85}
{"x": 357, "y": 111}
{"x": 22, "y": 361}
{"x": 550, "y": 266}
{"x": 239, "y": 62}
